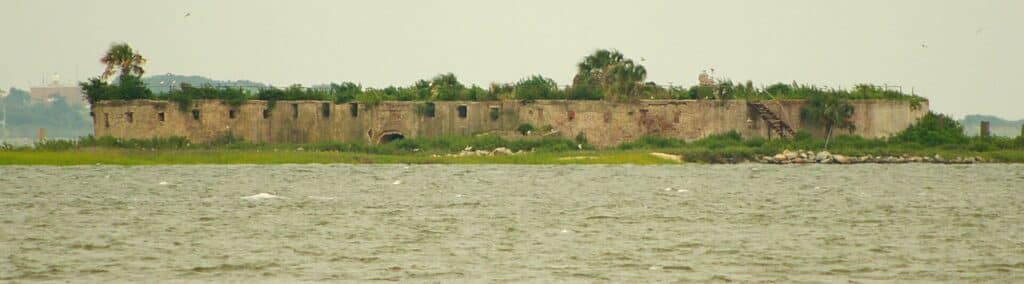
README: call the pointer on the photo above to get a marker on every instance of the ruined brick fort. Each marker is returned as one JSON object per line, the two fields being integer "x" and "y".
{"x": 604, "y": 124}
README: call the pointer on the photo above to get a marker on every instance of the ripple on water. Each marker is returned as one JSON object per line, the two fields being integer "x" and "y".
{"x": 288, "y": 223}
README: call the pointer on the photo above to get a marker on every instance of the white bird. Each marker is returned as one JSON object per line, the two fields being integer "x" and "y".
{"x": 397, "y": 182}
{"x": 579, "y": 146}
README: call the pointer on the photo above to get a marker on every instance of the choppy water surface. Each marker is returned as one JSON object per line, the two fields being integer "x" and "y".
{"x": 513, "y": 223}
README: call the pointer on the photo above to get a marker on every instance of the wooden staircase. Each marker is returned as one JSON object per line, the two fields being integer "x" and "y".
{"x": 774, "y": 122}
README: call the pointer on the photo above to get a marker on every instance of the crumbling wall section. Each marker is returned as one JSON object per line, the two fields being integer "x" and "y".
{"x": 605, "y": 124}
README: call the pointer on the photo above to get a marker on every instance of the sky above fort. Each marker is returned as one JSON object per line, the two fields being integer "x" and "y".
{"x": 965, "y": 56}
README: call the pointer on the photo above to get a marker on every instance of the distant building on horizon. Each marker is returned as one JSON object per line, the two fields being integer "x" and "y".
{"x": 45, "y": 94}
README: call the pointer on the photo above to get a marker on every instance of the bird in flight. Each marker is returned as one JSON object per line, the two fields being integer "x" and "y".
{"x": 187, "y": 14}
{"x": 924, "y": 45}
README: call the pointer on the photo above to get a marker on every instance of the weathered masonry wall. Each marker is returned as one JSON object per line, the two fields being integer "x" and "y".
{"x": 604, "y": 123}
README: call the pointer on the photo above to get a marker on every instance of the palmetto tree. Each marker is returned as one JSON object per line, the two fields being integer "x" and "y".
{"x": 122, "y": 58}
{"x": 829, "y": 110}
{"x": 611, "y": 72}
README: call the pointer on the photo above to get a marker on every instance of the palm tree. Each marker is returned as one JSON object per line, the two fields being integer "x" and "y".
{"x": 611, "y": 72}
{"x": 122, "y": 57}
{"x": 829, "y": 110}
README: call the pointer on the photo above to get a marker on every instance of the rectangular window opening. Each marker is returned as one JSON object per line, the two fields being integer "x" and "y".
{"x": 495, "y": 113}
{"x": 429, "y": 110}
{"x": 463, "y": 111}
{"x": 106, "y": 120}
{"x": 195, "y": 114}
{"x": 266, "y": 113}
{"x": 160, "y": 116}
{"x": 295, "y": 110}
{"x": 129, "y": 117}
{"x": 353, "y": 109}
{"x": 232, "y": 114}
{"x": 325, "y": 109}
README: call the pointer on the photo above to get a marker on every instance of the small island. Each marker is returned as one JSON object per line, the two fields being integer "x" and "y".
{"x": 608, "y": 115}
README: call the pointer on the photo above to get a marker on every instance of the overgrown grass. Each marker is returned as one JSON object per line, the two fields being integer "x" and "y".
{"x": 445, "y": 144}
{"x": 918, "y": 140}
{"x": 110, "y": 156}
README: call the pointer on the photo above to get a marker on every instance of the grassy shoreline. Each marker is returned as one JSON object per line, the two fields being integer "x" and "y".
{"x": 135, "y": 157}
{"x": 932, "y": 135}
{"x": 107, "y": 156}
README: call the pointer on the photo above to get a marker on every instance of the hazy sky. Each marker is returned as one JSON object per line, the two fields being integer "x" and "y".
{"x": 966, "y": 56}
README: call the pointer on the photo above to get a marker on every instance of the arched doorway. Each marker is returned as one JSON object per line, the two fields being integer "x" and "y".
{"x": 389, "y": 137}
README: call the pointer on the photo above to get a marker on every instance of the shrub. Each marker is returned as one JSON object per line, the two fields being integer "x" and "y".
{"x": 581, "y": 138}
{"x": 524, "y": 128}
{"x": 537, "y": 88}
{"x": 933, "y": 129}
{"x": 584, "y": 92}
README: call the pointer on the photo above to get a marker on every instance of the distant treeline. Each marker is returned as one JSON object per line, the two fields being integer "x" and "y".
{"x": 160, "y": 84}
{"x": 58, "y": 117}
{"x": 998, "y": 126}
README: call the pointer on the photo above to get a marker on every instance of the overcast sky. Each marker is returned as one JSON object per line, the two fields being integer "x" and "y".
{"x": 965, "y": 56}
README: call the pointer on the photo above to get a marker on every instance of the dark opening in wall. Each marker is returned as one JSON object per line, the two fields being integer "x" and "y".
{"x": 495, "y": 113}
{"x": 92, "y": 114}
{"x": 429, "y": 110}
{"x": 353, "y": 109}
{"x": 106, "y": 120}
{"x": 266, "y": 113}
{"x": 463, "y": 111}
{"x": 160, "y": 116}
{"x": 129, "y": 117}
{"x": 572, "y": 115}
{"x": 295, "y": 110}
{"x": 232, "y": 114}
{"x": 325, "y": 109}
{"x": 195, "y": 114}
{"x": 391, "y": 137}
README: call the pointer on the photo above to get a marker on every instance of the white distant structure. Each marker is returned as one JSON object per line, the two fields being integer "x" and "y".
{"x": 3, "y": 114}
{"x": 705, "y": 79}
{"x": 72, "y": 94}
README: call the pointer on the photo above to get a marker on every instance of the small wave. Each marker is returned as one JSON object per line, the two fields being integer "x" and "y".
{"x": 261, "y": 195}
{"x": 233, "y": 267}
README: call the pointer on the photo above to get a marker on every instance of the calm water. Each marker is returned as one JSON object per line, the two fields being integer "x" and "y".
{"x": 513, "y": 223}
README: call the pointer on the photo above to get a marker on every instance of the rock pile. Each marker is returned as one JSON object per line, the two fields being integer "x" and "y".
{"x": 500, "y": 151}
{"x": 824, "y": 157}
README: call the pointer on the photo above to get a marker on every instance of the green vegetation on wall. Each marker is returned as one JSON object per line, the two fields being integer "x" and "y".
{"x": 604, "y": 74}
